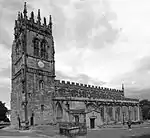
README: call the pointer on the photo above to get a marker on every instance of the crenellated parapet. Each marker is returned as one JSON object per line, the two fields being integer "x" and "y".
{"x": 72, "y": 89}
{"x": 23, "y": 21}
{"x": 84, "y": 86}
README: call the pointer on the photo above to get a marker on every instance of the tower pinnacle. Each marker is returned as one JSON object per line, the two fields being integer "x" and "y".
{"x": 25, "y": 11}
{"x": 50, "y": 23}
{"x": 39, "y": 17}
{"x": 19, "y": 16}
{"x": 50, "y": 20}
{"x": 122, "y": 87}
{"x": 44, "y": 21}
{"x": 32, "y": 16}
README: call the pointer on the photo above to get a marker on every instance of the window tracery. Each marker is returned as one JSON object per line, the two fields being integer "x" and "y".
{"x": 36, "y": 46}
{"x": 40, "y": 48}
{"x": 44, "y": 49}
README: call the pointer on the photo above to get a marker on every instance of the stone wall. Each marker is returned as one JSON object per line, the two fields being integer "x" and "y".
{"x": 103, "y": 114}
{"x": 40, "y": 97}
{"x": 16, "y": 100}
{"x": 70, "y": 89}
{"x": 95, "y": 115}
{"x": 40, "y": 103}
{"x": 50, "y": 44}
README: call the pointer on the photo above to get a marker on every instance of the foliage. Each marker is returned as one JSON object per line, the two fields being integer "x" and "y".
{"x": 3, "y": 112}
{"x": 145, "y": 105}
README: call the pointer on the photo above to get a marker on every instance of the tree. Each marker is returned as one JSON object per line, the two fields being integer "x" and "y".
{"x": 145, "y": 105}
{"x": 3, "y": 112}
{"x": 145, "y": 102}
{"x": 149, "y": 114}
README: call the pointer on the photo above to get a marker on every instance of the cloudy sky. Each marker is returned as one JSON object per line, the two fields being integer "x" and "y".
{"x": 99, "y": 42}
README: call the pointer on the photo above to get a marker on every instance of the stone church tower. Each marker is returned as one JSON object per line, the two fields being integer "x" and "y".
{"x": 33, "y": 70}
{"x": 37, "y": 98}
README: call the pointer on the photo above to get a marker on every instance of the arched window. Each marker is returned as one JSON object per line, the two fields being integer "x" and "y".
{"x": 36, "y": 46}
{"x": 102, "y": 112}
{"x": 41, "y": 85}
{"x": 42, "y": 107}
{"x": 117, "y": 113}
{"x": 110, "y": 113}
{"x": 44, "y": 53}
{"x": 135, "y": 113}
{"x": 59, "y": 111}
{"x": 43, "y": 50}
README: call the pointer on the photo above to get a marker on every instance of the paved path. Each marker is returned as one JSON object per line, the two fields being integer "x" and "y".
{"x": 100, "y": 133}
{"x": 15, "y": 137}
{"x": 118, "y": 133}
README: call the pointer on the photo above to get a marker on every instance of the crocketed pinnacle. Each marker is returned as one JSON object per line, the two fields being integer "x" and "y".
{"x": 39, "y": 17}
{"x": 25, "y": 10}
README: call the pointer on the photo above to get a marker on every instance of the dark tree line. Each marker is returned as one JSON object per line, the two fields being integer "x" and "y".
{"x": 3, "y": 112}
{"x": 145, "y": 106}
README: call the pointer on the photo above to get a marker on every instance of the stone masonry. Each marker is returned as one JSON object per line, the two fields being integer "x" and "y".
{"x": 37, "y": 98}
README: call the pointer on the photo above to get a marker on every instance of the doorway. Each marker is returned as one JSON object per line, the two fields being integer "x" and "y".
{"x": 92, "y": 123}
{"x": 32, "y": 120}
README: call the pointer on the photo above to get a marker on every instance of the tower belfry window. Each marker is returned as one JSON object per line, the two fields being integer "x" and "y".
{"x": 43, "y": 49}
{"x": 36, "y": 47}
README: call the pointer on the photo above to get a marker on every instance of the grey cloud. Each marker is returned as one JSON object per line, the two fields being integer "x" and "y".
{"x": 6, "y": 72}
{"x": 60, "y": 3}
{"x": 59, "y": 28}
{"x": 8, "y": 14}
{"x": 88, "y": 22}
{"x": 139, "y": 93}
{"x": 5, "y": 95}
{"x": 14, "y": 5}
{"x": 4, "y": 37}
{"x": 86, "y": 79}
{"x": 80, "y": 78}
{"x": 108, "y": 36}
{"x": 143, "y": 64}
{"x": 82, "y": 24}
{"x": 139, "y": 75}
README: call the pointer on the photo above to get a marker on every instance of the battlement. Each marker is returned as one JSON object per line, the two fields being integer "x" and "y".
{"x": 85, "y": 86}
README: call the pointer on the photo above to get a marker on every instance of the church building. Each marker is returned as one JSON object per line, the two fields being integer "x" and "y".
{"x": 38, "y": 98}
